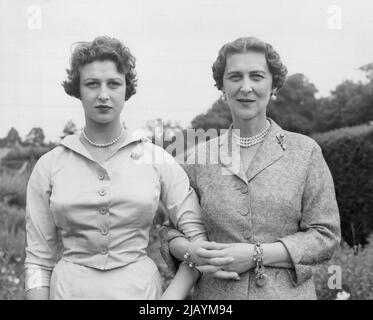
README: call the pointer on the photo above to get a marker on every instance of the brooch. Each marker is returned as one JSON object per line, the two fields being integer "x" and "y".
{"x": 280, "y": 139}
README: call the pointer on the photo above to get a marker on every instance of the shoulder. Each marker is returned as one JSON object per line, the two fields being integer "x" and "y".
{"x": 300, "y": 145}
{"x": 48, "y": 158}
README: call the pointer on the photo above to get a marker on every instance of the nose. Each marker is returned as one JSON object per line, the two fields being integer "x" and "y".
{"x": 246, "y": 86}
{"x": 103, "y": 95}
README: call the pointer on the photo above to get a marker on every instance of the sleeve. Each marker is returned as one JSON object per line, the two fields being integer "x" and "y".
{"x": 41, "y": 231}
{"x": 182, "y": 204}
{"x": 320, "y": 231}
{"x": 180, "y": 200}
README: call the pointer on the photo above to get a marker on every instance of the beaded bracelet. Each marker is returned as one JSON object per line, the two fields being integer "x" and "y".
{"x": 260, "y": 276}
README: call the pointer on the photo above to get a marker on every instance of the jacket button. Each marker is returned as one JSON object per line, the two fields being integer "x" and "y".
{"x": 103, "y": 210}
{"x": 244, "y": 212}
{"x": 104, "y": 232}
{"x": 244, "y": 189}
{"x": 102, "y": 192}
{"x": 103, "y": 251}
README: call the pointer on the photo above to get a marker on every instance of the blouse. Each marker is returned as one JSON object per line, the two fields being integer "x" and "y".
{"x": 102, "y": 213}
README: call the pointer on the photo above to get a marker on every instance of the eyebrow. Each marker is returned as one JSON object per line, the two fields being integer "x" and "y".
{"x": 251, "y": 72}
{"x": 110, "y": 79}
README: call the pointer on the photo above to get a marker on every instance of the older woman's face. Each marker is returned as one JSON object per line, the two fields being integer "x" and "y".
{"x": 247, "y": 83}
{"x": 102, "y": 91}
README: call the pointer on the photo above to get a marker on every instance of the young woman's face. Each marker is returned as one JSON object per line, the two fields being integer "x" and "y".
{"x": 247, "y": 83}
{"x": 102, "y": 91}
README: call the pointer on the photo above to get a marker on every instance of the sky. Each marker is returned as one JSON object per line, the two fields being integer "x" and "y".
{"x": 175, "y": 43}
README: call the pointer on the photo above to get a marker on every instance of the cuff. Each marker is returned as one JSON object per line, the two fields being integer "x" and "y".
{"x": 36, "y": 277}
{"x": 302, "y": 272}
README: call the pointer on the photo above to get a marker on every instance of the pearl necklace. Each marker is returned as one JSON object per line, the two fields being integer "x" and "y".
{"x": 247, "y": 142}
{"x": 103, "y": 145}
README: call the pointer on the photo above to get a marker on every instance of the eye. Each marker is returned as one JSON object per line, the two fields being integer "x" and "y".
{"x": 114, "y": 84}
{"x": 92, "y": 84}
{"x": 257, "y": 77}
{"x": 235, "y": 77}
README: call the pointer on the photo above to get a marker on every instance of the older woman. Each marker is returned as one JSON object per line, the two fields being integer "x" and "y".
{"x": 276, "y": 210}
{"x": 98, "y": 192}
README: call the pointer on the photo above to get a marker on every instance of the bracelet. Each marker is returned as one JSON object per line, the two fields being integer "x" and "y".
{"x": 186, "y": 256}
{"x": 260, "y": 276}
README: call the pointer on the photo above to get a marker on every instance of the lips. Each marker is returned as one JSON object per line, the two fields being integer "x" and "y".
{"x": 245, "y": 100}
{"x": 103, "y": 107}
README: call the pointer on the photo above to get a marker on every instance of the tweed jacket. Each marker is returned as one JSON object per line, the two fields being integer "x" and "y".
{"x": 287, "y": 195}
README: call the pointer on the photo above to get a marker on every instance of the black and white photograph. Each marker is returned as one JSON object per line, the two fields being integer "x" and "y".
{"x": 196, "y": 150}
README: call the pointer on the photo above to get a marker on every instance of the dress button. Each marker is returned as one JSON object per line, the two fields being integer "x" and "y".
{"x": 102, "y": 192}
{"x": 103, "y": 210}
{"x": 103, "y": 251}
{"x": 104, "y": 232}
{"x": 101, "y": 176}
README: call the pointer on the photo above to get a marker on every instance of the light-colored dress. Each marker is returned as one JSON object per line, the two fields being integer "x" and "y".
{"x": 102, "y": 214}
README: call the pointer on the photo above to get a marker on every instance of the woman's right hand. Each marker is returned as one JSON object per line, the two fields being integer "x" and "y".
{"x": 197, "y": 250}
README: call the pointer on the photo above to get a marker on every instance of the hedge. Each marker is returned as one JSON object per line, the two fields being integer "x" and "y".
{"x": 349, "y": 155}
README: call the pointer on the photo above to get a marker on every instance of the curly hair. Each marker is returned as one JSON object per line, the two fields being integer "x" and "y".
{"x": 100, "y": 49}
{"x": 242, "y": 45}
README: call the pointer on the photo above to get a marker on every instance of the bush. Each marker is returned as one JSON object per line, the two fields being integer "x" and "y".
{"x": 357, "y": 269}
{"x": 12, "y": 252}
{"x": 349, "y": 154}
{"x": 13, "y": 188}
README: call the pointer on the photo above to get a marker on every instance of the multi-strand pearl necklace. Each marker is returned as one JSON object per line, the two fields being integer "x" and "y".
{"x": 247, "y": 142}
{"x": 103, "y": 145}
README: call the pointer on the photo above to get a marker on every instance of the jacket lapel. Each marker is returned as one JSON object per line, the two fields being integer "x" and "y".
{"x": 271, "y": 150}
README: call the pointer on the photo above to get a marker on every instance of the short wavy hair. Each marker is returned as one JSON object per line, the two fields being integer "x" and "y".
{"x": 242, "y": 45}
{"x": 100, "y": 49}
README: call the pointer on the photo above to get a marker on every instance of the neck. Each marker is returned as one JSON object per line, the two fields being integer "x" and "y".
{"x": 250, "y": 127}
{"x": 103, "y": 132}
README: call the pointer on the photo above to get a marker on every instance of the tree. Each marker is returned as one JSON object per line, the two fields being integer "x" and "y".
{"x": 217, "y": 117}
{"x": 35, "y": 137}
{"x": 69, "y": 129}
{"x": 12, "y": 138}
{"x": 296, "y": 105}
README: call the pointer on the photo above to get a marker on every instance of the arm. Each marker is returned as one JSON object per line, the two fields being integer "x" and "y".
{"x": 319, "y": 232}
{"x": 181, "y": 284}
{"x": 41, "y": 233}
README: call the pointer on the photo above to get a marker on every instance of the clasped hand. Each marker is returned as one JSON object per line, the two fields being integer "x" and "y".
{"x": 224, "y": 260}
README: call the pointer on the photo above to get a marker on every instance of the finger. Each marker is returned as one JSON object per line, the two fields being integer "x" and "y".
{"x": 203, "y": 253}
{"x": 220, "y": 261}
{"x": 208, "y": 269}
{"x": 212, "y": 245}
{"x": 222, "y": 274}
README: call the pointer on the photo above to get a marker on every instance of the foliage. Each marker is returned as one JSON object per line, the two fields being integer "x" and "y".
{"x": 349, "y": 155}
{"x": 69, "y": 128}
{"x": 13, "y": 188}
{"x": 11, "y": 139}
{"x": 295, "y": 106}
{"x": 12, "y": 253}
{"x": 356, "y": 268}
{"x": 35, "y": 137}
{"x": 217, "y": 117}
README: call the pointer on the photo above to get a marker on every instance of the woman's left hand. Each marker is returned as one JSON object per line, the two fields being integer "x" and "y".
{"x": 240, "y": 254}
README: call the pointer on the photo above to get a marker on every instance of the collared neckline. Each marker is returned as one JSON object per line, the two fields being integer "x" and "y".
{"x": 270, "y": 150}
{"x": 73, "y": 142}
